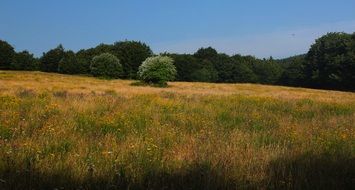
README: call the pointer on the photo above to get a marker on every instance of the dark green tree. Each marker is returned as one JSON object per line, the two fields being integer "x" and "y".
{"x": 241, "y": 70}
{"x": 131, "y": 55}
{"x": 293, "y": 71}
{"x": 206, "y": 53}
{"x": 234, "y": 69}
{"x": 208, "y": 59}
{"x": 205, "y": 73}
{"x": 330, "y": 62}
{"x": 222, "y": 64}
{"x": 25, "y": 61}
{"x": 106, "y": 65}
{"x": 267, "y": 71}
{"x": 7, "y": 53}
{"x": 185, "y": 65}
{"x": 348, "y": 69}
{"x": 87, "y": 54}
{"x": 51, "y": 59}
{"x": 70, "y": 64}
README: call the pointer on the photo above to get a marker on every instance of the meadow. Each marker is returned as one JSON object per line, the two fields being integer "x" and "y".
{"x": 76, "y": 132}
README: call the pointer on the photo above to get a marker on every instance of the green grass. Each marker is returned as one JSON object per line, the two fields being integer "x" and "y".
{"x": 99, "y": 134}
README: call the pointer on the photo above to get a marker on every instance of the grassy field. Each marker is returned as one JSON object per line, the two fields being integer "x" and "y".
{"x": 71, "y": 132}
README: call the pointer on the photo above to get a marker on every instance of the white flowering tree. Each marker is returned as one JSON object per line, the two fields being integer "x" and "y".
{"x": 157, "y": 70}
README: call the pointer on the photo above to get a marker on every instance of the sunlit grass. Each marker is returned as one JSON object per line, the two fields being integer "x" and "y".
{"x": 81, "y": 132}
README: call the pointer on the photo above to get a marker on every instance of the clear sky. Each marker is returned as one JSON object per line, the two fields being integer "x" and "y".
{"x": 262, "y": 28}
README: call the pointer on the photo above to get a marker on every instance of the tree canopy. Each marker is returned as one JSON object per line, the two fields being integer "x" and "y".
{"x": 51, "y": 59}
{"x": 329, "y": 63}
{"x": 24, "y": 61}
{"x": 7, "y": 53}
{"x": 106, "y": 65}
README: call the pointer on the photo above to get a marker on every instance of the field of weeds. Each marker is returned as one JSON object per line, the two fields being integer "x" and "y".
{"x": 71, "y": 132}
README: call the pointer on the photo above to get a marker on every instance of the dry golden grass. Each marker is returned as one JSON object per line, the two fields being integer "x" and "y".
{"x": 76, "y": 84}
{"x": 81, "y": 132}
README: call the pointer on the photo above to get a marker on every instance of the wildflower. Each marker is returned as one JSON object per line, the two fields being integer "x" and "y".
{"x": 107, "y": 152}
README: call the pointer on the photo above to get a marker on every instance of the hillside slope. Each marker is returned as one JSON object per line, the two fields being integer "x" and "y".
{"x": 60, "y": 131}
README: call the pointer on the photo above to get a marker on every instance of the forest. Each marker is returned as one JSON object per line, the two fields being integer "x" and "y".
{"x": 329, "y": 63}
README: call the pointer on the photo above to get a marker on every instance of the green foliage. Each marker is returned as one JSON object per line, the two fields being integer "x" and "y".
{"x": 293, "y": 71}
{"x": 131, "y": 55}
{"x": 242, "y": 73}
{"x": 206, "y": 53}
{"x": 330, "y": 61}
{"x": 106, "y": 65}
{"x": 206, "y": 72}
{"x": 24, "y": 61}
{"x": 267, "y": 71}
{"x": 185, "y": 65}
{"x": 222, "y": 63}
{"x": 7, "y": 53}
{"x": 158, "y": 70}
{"x": 238, "y": 69}
{"x": 349, "y": 65}
{"x": 51, "y": 59}
{"x": 208, "y": 58}
{"x": 71, "y": 64}
{"x": 86, "y": 55}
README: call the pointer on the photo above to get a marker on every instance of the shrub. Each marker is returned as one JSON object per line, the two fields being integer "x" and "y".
{"x": 106, "y": 65}
{"x": 157, "y": 70}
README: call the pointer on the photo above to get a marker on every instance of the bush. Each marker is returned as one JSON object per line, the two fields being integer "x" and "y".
{"x": 106, "y": 65}
{"x": 157, "y": 70}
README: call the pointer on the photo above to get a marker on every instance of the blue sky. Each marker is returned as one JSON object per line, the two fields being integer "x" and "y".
{"x": 263, "y": 28}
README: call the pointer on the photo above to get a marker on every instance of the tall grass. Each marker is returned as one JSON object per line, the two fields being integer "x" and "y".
{"x": 70, "y": 132}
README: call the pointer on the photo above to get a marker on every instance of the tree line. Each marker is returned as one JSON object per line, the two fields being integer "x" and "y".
{"x": 329, "y": 63}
